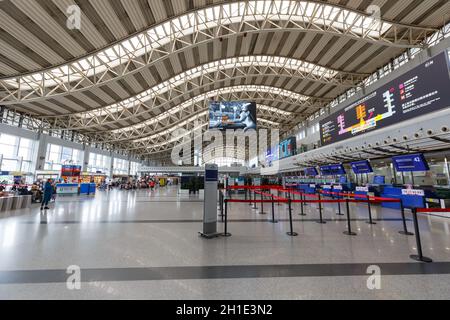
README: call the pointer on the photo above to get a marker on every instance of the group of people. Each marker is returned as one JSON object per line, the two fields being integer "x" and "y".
{"x": 143, "y": 183}
{"x": 42, "y": 192}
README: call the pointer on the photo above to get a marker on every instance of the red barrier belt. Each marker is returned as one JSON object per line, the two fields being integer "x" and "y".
{"x": 254, "y": 201}
{"x": 433, "y": 210}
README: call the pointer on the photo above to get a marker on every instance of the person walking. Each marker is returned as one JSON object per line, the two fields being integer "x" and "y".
{"x": 48, "y": 193}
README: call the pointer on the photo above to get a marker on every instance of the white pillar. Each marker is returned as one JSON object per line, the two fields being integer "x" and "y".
{"x": 87, "y": 154}
{"x": 41, "y": 152}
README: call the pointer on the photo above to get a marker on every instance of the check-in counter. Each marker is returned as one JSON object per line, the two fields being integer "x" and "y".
{"x": 10, "y": 203}
{"x": 67, "y": 188}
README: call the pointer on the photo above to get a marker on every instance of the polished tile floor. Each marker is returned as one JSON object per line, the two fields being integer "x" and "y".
{"x": 145, "y": 245}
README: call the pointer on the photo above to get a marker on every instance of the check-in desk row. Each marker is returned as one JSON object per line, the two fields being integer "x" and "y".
{"x": 10, "y": 203}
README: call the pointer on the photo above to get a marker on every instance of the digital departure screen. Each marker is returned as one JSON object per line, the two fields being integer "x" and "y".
{"x": 311, "y": 172}
{"x": 361, "y": 167}
{"x": 410, "y": 163}
{"x": 420, "y": 91}
{"x": 325, "y": 171}
{"x": 332, "y": 170}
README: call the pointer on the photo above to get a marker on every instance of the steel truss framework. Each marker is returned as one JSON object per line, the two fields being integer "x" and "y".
{"x": 267, "y": 117}
{"x": 260, "y": 94}
{"x": 203, "y": 76}
{"x": 202, "y": 26}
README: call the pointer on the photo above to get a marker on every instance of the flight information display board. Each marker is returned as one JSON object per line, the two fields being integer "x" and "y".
{"x": 361, "y": 167}
{"x": 332, "y": 170}
{"x": 411, "y": 163}
{"x": 420, "y": 91}
{"x": 311, "y": 172}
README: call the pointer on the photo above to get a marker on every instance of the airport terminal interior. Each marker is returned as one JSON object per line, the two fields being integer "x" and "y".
{"x": 224, "y": 150}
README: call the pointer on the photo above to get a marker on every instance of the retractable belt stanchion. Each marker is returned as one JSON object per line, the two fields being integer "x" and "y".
{"x": 273, "y": 210}
{"x": 226, "y": 233}
{"x": 320, "y": 211}
{"x": 254, "y": 199}
{"x": 278, "y": 193}
{"x": 369, "y": 207}
{"x": 291, "y": 233}
{"x": 262, "y": 202}
{"x": 405, "y": 227}
{"x": 302, "y": 205}
{"x": 339, "y": 213}
{"x": 221, "y": 198}
{"x": 419, "y": 256}
{"x": 349, "y": 223}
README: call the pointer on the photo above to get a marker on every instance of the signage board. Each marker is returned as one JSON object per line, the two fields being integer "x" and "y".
{"x": 423, "y": 90}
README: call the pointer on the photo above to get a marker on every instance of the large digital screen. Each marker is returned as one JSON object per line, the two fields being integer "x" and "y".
{"x": 288, "y": 148}
{"x": 311, "y": 172}
{"x": 410, "y": 163}
{"x": 420, "y": 91}
{"x": 232, "y": 115}
{"x": 361, "y": 167}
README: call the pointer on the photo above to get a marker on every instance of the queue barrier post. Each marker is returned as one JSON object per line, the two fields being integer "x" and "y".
{"x": 349, "y": 231}
{"x": 254, "y": 200}
{"x": 302, "y": 205}
{"x": 262, "y": 203}
{"x": 419, "y": 256}
{"x": 369, "y": 207}
{"x": 226, "y": 233}
{"x": 339, "y": 213}
{"x": 320, "y": 211}
{"x": 291, "y": 233}
{"x": 279, "y": 195}
{"x": 405, "y": 231}
{"x": 273, "y": 210}
{"x": 221, "y": 199}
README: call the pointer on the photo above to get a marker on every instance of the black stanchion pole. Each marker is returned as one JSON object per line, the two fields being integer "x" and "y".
{"x": 302, "y": 206}
{"x": 419, "y": 256}
{"x": 349, "y": 223}
{"x": 291, "y": 233}
{"x": 369, "y": 207}
{"x": 262, "y": 203}
{"x": 273, "y": 210}
{"x": 405, "y": 231}
{"x": 339, "y": 208}
{"x": 226, "y": 233}
{"x": 320, "y": 211}
{"x": 221, "y": 204}
{"x": 278, "y": 193}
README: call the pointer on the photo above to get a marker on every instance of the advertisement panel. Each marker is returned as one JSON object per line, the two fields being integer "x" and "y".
{"x": 233, "y": 115}
{"x": 288, "y": 148}
{"x": 423, "y": 90}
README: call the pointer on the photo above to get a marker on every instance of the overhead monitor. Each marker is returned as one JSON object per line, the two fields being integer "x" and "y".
{"x": 423, "y": 90}
{"x": 337, "y": 169}
{"x": 311, "y": 172}
{"x": 362, "y": 167}
{"x": 380, "y": 180}
{"x": 232, "y": 115}
{"x": 411, "y": 163}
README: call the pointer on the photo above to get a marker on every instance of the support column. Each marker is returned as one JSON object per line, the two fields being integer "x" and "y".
{"x": 87, "y": 154}
{"x": 41, "y": 152}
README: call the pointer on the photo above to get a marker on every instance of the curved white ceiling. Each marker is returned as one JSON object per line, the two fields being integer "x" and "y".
{"x": 296, "y": 65}
{"x": 264, "y": 11}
